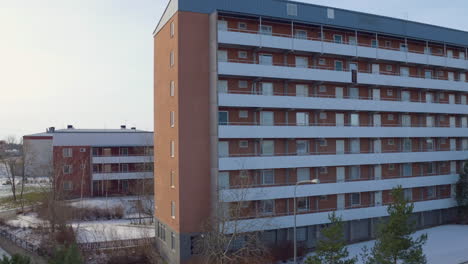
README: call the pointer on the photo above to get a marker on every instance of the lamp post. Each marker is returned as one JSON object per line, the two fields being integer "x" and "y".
{"x": 314, "y": 181}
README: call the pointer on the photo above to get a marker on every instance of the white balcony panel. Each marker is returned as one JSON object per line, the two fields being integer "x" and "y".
{"x": 394, "y": 80}
{"x": 293, "y": 102}
{"x": 122, "y": 159}
{"x": 258, "y": 40}
{"x": 336, "y": 132}
{"x": 122, "y": 176}
{"x": 282, "y": 192}
{"x": 322, "y": 218}
{"x": 277, "y": 162}
{"x": 268, "y": 71}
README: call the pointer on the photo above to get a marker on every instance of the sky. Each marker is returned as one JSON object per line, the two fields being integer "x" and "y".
{"x": 89, "y": 63}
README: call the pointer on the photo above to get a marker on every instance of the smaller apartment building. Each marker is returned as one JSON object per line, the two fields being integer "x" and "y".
{"x": 92, "y": 162}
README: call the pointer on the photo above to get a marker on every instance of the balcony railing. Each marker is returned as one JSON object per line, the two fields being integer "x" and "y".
{"x": 344, "y": 42}
{"x": 346, "y": 152}
{"x": 343, "y": 69}
{"x": 328, "y": 181}
{"x": 370, "y": 98}
{"x": 422, "y": 124}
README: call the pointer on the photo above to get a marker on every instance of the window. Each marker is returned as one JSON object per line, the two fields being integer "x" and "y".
{"x": 67, "y": 169}
{"x": 323, "y": 170}
{"x": 266, "y": 30}
{"x": 407, "y": 170}
{"x": 323, "y": 197}
{"x": 338, "y": 39}
{"x": 302, "y": 62}
{"x": 430, "y": 168}
{"x": 302, "y": 147}
{"x": 172, "y": 59}
{"x": 67, "y": 185}
{"x": 408, "y": 194}
{"x": 354, "y": 173}
{"x": 67, "y": 152}
{"x": 242, "y": 54}
{"x": 172, "y": 88}
{"x": 243, "y": 144}
{"x": 268, "y": 177}
{"x": 242, "y": 25}
{"x": 82, "y": 150}
{"x": 243, "y": 84}
{"x": 266, "y": 207}
{"x": 390, "y": 141}
{"x": 355, "y": 199}
{"x": 389, "y": 92}
{"x": 390, "y": 117}
{"x": 95, "y": 152}
{"x": 338, "y": 66}
{"x": 172, "y": 179}
{"x": 243, "y": 114}
{"x": 352, "y": 40}
{"x": 323, "y": 115}
{"x": 428, "y": 74}
{"x": 303, "y": 204}
{"x": 322, "y": 89}
{"x": 374, "y": 43}
{"x": 322, "y": 142}
{"x": 268, "y": 147}
{"x": 123, "y": 151}
{"x": 302, "y": 90}
{"x": 430, "y": 191}
{"x": 173, "y": 209}
{"x": 391, "y": 166}
{"x": 123, "y": 167}
{"x": 172, "y": 241}
{"x": 266, "y": 59}
{"x": 303, "y": 174}
{"x": 172, "y": 119}
{"x": 389, "y": 68}
{"x": 291, "y": 9}
{"x": 300, "y": 34}
{"x": 172, "y": 148}
{"x": 388, "y": 44}
{"x": 302, "y": 119}
{"x": 161, "y": 232}
{"x": 322, "y": 62}
{"x": 403, "y": 47}
{"x": 430, "y": 144}
{"x": 223, "y": 118}
{"x": 172, "y": 29}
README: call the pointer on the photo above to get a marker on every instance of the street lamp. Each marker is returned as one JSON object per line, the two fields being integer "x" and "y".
{"x": 314, "y": 181}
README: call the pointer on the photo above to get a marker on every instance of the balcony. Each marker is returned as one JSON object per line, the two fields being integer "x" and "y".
{"x": 253, "y": 130}
{"x": 327, "y": 74}
{"x": 122, "y": 159}
{"x": 324, "y": 188}
{"x": 291, "y": 101}
{"x": 316, "y": 159}
{"x": 282, "y": 71}
{"x": 321, "y": 217}
{"x": 287, "y": 42}
{"x": 414, "y": 81}
{"x": 122, "y": 176}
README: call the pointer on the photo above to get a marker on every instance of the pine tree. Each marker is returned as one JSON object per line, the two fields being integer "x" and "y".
{"x": 15, "y": 259}
{"x": 394, "y": 243}
{"x": 462, "y": 194}
{"x": 67, "y": 255}
{"x": 332, "y": 248}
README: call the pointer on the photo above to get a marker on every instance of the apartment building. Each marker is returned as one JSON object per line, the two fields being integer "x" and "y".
{"x": 252, "y": 97}
{"x": 91, "y": 162}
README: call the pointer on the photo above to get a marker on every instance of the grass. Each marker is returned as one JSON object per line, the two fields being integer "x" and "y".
{"x": 31, "y": 196}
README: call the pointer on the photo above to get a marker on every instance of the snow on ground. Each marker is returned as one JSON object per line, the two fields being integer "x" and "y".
{"x": 128, "y": 203}
{"x": 27, "y": 220}
{"x": 100, "y": 231}
{"x": 3, "y": 252}
{"x": 445, "y": 244}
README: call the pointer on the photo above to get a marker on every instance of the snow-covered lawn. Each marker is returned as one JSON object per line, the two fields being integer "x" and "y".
{"x": 127, "y": 202}
{"x": 100, "y": 231}
{"x": 2, "y": 252}
{"x": 445, "y": 245}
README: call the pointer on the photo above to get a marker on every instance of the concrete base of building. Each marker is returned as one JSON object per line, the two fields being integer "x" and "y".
{"x": 180, "y": 250}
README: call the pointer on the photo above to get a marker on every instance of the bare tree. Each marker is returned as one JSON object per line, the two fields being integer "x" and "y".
{"x": 12, "y": 164}
{"x": 226, "y": 238}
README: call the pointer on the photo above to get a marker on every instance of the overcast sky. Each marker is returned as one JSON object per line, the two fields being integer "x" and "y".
{"x": 90, "y": 62}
